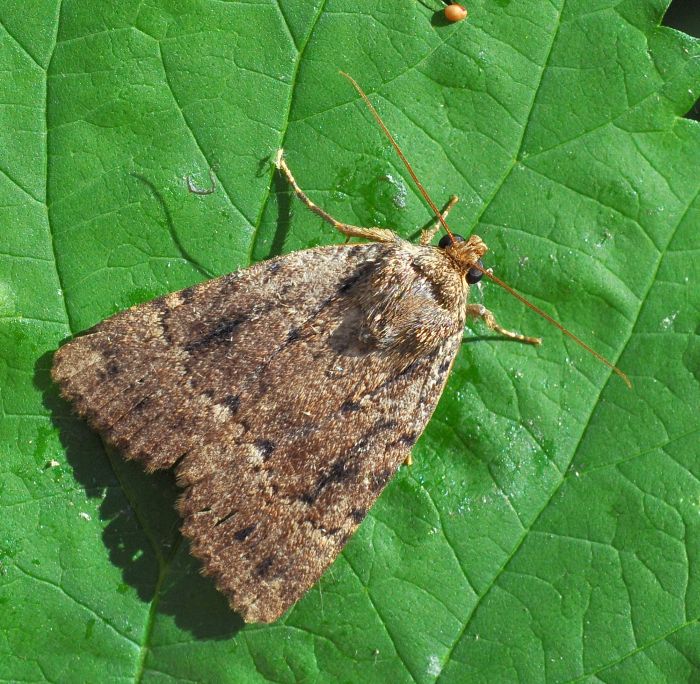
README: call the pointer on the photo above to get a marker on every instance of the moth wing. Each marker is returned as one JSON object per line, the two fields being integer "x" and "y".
{"x": 155, "y": 379}
{"x": 271, "y": 520}
{"x": 282, "y": 420}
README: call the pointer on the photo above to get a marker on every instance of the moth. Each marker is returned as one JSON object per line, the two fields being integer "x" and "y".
{"x": 284, "y": 396}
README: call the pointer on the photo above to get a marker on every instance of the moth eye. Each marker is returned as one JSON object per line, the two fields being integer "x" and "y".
{"x": 455, "y": 12}
{"x": 446, "y": 240}
{"x": 474, "y": 275}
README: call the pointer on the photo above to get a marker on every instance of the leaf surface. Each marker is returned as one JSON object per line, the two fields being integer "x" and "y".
{"x": 549, "y": 529}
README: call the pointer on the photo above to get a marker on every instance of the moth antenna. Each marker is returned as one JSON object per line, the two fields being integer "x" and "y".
{"x": 489, "y": 275}
{"x": 402, "y": 156}
{"x": 555, "y": 323}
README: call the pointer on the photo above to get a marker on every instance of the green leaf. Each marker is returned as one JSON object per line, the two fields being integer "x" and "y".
{"x": 549, "y": 529}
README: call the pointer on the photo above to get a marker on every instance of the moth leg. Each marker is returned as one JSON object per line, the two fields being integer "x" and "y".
{"x": 374, "y": 234}
{"x": 409, "y": 459}
{"x": 480, "y": 311}
{"x": 426, "y": 236}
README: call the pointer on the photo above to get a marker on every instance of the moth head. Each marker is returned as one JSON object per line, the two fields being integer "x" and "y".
{"x": 466, "y": 254}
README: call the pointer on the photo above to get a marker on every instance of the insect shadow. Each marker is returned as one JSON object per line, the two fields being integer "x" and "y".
{"x": 142, "y": 531}
{"x": 284, "y": 213}
{"x": 157, "y": 195}
{"x": 439, "y": 19}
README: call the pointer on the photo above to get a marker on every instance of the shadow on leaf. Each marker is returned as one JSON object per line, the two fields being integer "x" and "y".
{"x": 284, "y": 214}
{"x": 142, "y": 533}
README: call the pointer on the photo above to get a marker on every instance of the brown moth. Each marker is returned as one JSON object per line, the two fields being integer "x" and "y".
{"x": 284, "y": 396}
